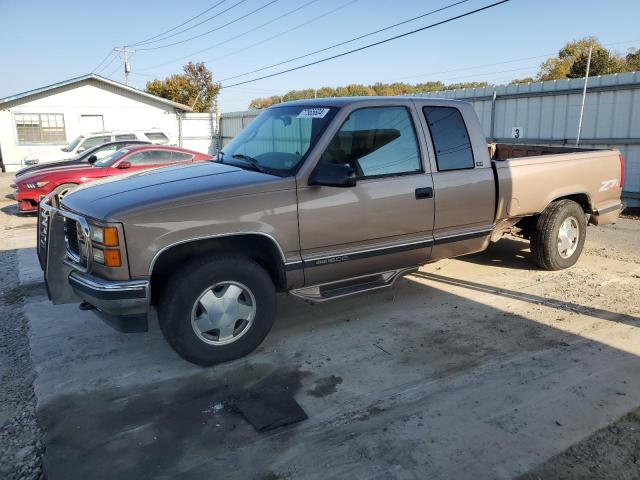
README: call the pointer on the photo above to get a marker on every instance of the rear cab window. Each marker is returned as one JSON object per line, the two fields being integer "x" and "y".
{"x": 450, "y": 138}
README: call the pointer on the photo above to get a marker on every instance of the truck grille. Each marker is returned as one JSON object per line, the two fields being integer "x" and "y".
{"x": 71, "y": 236}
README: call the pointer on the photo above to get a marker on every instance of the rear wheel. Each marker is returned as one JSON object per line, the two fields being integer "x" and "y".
{"x": 558, "y": 235}
{"x": 217, "y": 309}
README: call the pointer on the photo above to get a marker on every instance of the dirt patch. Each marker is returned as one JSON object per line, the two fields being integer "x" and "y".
{"x": 133, "y": 434}
{"x": 325, "y": 386}
{"x": 612, "y": 453}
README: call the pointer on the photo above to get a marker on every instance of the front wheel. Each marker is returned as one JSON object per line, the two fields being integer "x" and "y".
{"x": 558, "y": 236}
{"x": 217, "y": 309}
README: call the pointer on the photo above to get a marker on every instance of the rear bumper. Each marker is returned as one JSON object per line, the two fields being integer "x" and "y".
{"x": 121, "y": 304}
{"x": 607, "y": 215}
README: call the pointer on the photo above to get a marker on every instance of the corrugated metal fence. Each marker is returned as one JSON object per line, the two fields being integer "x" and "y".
{"x": 543, "y": 113}
{"x": 232, "y": 123}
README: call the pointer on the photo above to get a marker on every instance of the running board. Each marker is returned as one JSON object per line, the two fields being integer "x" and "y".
{"x": 351, "y": 286}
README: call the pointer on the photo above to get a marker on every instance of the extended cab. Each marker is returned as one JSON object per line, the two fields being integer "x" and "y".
{"x": 322, "y": 199}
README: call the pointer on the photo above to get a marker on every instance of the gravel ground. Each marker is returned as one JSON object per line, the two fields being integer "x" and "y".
{"x": 612, "y": 453}
{"x": 21, "y": 449}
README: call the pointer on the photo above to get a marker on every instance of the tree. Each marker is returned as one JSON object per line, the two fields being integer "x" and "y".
{"x": 602, "y": 62}
{"x": 559, "y": 67}
{"x": 633, "y": 60}
{"x": 194, "y": 87}
{"x": 522, "y": 80}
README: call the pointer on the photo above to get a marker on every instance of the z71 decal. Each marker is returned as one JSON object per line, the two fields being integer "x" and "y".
{"x": 608, "y": 184}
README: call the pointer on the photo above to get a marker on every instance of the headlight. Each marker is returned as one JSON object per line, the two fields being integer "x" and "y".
{"x": 32, "y": 185}
{"x": 107, "y": 236}
{"x": 104, "y": 237}
{"x": 31, "y": 161}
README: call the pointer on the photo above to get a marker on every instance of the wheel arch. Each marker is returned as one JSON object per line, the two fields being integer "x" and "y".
{"x": 260, "y": 247}
{"x": 583, "y": 199}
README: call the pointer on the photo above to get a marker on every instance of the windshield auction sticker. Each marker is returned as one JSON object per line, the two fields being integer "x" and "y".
{"x": 313, "y": 113}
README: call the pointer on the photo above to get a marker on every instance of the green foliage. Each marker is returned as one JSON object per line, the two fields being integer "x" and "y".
{"x": 571, "y": 61}
{"x": 633, "y": 59}
{"x": 194, "y": 87}
{"x": 380, "y": 89}
{"x": 523, "y": 80}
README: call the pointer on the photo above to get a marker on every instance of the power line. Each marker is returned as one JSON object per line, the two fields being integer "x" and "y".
{"x": 147, "y": 40}
{"x": 109, "y": 75}
{"x": 289, "y": 30}
{"x": 360, "y": 37}
{"x": 370, "y": 45}
{"x": 251, "y": 30}
{"x": 103, "y": 60}
{"x": 213, "y": 29}
{"x": 115, "y": 56}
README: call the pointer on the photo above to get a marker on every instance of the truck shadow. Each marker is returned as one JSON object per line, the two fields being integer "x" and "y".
{"x": 508, "y": 252}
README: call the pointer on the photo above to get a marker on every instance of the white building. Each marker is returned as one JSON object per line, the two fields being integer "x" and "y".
{"x": 51, "y": 117}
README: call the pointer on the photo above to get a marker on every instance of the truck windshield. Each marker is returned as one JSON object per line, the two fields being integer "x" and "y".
{"x": 279, "y": 139}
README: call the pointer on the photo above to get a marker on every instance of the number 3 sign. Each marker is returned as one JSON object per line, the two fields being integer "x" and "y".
{"x": 517, "y": 132}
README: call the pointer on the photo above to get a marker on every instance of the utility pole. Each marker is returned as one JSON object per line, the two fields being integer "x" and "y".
{"x": 584, "y": 96}
{"x": 124, "y": 51}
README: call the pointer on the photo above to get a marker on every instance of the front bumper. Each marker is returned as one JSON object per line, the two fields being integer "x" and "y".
{"x": 122, "y": 304}
{"x": 28, "y": 199}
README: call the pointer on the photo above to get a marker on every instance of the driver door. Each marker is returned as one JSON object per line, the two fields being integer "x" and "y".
{"x": 385, "y": 221}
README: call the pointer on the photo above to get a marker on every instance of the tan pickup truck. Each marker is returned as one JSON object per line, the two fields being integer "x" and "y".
{"x": 322, "y": 199}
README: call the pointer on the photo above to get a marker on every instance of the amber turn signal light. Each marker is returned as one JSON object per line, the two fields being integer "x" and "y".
{"x": 112, "y": 258}
{"x": 110, "y": 236}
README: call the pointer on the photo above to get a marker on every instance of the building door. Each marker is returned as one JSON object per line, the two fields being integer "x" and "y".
{"x": 91, "y": 124}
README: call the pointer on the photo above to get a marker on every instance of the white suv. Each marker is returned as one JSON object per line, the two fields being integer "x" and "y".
{"x": 84, "y": 142}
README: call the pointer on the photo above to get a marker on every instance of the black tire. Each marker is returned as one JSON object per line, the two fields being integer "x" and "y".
{"x": 544, "y": 235}
{"x": 185, "y": 287}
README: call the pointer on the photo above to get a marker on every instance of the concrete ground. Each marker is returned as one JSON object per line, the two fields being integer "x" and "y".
{"x": 478, "y": 367}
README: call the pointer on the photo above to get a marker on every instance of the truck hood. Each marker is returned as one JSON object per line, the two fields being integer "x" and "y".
{"x": 117, "y": 198}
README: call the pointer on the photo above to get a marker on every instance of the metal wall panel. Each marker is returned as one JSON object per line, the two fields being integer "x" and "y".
{"x": 232, "y": 123}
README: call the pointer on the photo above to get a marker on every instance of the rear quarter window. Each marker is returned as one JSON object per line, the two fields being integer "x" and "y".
{"x": 450, "y": 138}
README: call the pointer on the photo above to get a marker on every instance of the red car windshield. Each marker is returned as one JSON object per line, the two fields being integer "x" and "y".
{"x": 111, "y": 159}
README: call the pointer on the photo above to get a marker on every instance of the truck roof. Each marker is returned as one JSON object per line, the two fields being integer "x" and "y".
{"x": 342, "y": 101}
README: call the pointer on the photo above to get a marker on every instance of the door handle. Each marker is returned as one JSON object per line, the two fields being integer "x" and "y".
{"x": 425, "y": 192}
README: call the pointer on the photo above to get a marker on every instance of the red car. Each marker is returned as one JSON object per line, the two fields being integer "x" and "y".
{"x": 61, "y": 180}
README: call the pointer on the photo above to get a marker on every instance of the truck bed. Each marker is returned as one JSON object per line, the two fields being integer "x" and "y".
{"x": 530, "y": 177}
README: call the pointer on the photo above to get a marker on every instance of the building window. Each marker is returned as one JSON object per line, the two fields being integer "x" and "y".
{"x": 40, "y": 128}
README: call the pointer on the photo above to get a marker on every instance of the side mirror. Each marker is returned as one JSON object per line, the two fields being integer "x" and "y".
{"x": 92, "y": 159}
{"x": 124, "y": 165}
{"x": 80, "y": 149}
{"x": 333, "y": 175}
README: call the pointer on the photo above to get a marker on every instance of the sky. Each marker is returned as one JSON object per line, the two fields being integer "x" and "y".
{"x": 44, "y": 42}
